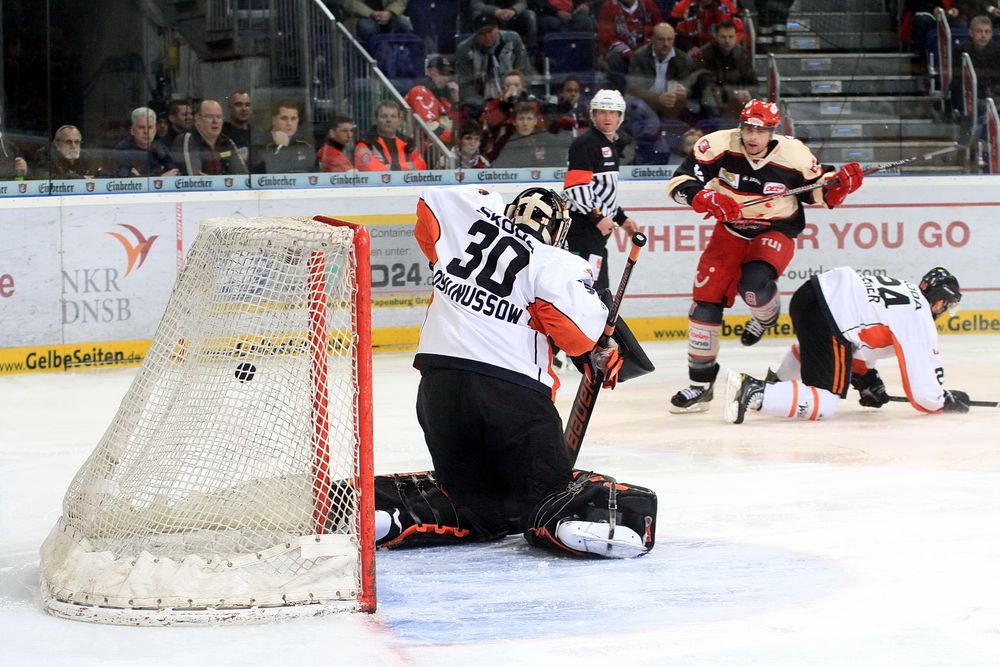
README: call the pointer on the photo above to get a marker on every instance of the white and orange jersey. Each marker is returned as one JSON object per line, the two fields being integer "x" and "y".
{"x": 881, "y": 317}
{"x": 498, "y": 291}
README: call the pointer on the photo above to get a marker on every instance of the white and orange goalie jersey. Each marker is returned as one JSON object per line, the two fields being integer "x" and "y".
{"x": 881, "y": 317}
{"x": 499, "y": 291}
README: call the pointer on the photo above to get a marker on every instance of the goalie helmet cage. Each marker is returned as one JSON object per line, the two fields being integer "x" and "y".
{"x": 235, "y": 482}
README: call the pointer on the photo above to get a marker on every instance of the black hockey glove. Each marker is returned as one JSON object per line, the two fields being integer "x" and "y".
{"x": 871, "y": 388}
{"x": 956, "y": 401}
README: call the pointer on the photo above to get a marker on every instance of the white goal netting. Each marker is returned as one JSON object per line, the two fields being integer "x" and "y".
{"x": 230, "y": 482}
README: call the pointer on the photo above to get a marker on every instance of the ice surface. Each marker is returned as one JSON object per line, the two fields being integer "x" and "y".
{"x": 869, "y": 539}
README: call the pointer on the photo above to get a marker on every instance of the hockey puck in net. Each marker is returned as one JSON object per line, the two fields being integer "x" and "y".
{"x": 245, "y": 371}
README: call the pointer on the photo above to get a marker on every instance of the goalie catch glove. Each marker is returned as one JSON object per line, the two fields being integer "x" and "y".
{"x": 849, "y": 179}
{"x": 871, "y": 388}
{"x": 956, "y": 401}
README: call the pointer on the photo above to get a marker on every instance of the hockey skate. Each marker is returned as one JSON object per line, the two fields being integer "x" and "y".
{"x": 695, "y": 398}
{"x": 592, "y": 537}
{"x": 743, "y": 392}
{"x": 754, "y": 331}
{"x": 771, "y": 377}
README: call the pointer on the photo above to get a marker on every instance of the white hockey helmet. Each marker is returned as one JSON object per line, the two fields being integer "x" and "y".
{"x": 543, "y": 212}
{"x": 608, "y": 99}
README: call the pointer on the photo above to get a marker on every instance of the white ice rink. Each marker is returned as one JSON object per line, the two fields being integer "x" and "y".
{"x": 869, "y": 539}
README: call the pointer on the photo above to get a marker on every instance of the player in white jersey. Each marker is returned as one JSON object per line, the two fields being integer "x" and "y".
{"x": 844, "y": 322}
{"x": 502, "y": 285}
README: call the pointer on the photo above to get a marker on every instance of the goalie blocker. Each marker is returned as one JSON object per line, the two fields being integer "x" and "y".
{"x": 594, "y": 516}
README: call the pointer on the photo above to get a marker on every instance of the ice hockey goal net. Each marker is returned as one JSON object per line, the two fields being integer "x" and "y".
{"x": 235, "y": 482}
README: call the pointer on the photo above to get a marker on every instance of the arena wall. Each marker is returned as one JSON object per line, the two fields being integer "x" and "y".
{"x": 84, "y": 279}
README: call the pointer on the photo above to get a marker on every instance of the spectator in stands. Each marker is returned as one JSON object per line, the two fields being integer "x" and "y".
{"x": 441, "y": 82}
{"x": 141, "y": 153}
{"x": 688, "y": 141}
{"x": 467, "y": 153}
{"x": 12, "y": 163}
{"x": 511, "y": 15}
{"x": 623, "y": 26}
{"x": 772, "y": 25}
{"x": 65, "y": 158}
{"x": 658, "y": 112}
{"x": 724, "y": 78}
{"x": 696, "y": 21}
{"x": 180, "y": 120}
{"x": 284, "y": 153}
{"x": 962, "y": 12}
{"x": 367, "y": 18}
{"x": 565, "y": 16}
{"x": 499, "y": 116}
{"x": 529, "y": 146}
{"x": 337, "y": 153}
{"x": 237, "y": 127}
{"x": 205, "y": 150}
{"x": 429, "y": 108}
{"x": 162, "y": 127}
{"x": 483, "y": 59}
{"x": 985, "y": 56}
{"x": 570, "y": 113}
{"x": 383, "y": 148}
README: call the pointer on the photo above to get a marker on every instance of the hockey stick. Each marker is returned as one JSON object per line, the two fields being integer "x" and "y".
{"x": 586, "y": 393}
{"x": 978, "y": 404}
{"x": 866, "y": 172}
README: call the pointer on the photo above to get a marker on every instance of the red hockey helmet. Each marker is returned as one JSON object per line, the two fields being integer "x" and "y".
{"x": 423, "y": 103}
{"x": 760, "y": 114}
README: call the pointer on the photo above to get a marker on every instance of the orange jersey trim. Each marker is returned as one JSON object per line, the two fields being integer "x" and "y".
{"x": 576, "y": 177}
{"x": 795, "y": 399}
{"x": 551, "y": 321}
{"x": 427, "y": 231}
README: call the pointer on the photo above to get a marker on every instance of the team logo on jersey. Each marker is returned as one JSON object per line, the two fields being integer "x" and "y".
{"x": 731, "y": 179}
{"x": 772, "y": 188}
{"x": 605, "y": 151}
{"x": 703, "y": 146}
{"x": 814, "y": 167}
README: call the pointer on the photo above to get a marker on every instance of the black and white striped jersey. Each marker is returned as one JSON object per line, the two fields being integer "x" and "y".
{"x": 591, "y": 183}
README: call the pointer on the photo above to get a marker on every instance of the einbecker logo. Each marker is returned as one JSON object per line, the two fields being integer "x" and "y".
{"x": 137, "y": 251}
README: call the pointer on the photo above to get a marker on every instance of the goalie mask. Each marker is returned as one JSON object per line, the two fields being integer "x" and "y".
{"x": 543, "y": 212}
{"x": 938, "y": 284}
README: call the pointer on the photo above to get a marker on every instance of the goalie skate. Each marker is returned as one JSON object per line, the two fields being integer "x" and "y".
{"x": 592, "y": 537}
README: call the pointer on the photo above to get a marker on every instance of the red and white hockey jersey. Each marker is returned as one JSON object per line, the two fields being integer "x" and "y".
{"x": 498, "y": 291}
{"x": 881, "y": 317}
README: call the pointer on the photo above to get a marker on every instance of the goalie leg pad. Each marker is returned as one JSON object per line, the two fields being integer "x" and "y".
{"x": 412, "y": 510}
{"x": 595, "y": 499}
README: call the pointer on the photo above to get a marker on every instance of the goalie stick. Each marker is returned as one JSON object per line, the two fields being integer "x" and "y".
{"x": 586, "y": 393}
{"x": 978, "y": 404}
{"x": 869, "y": 170}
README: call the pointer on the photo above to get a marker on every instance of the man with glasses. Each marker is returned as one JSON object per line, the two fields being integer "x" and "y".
{"x": 65, "y": 158}
{"x": 206, "y": 151}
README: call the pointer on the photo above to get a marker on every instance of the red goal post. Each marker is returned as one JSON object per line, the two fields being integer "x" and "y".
{"x": 236, "y": 481}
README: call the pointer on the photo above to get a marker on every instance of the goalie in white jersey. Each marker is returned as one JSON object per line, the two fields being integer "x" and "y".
{"x": 844, "y": 322}
{"x": 502, "y": 285}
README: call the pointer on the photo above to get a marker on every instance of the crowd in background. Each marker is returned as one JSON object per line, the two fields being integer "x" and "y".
{"x": 681, "y": 65}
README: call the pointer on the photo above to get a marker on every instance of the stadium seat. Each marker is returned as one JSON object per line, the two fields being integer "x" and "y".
{"x": 400, "y": 56}
{"x": 568, "y": 52}
{"x": 435, "y": 21}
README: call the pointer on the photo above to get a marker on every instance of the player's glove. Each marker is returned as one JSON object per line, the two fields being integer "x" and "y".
{"x": 956, "y": 401}
{"x": 723, "y": 207}
{"x": 848, "y": 179}
{"x": 871, "y": 388}
{"x": 608, "y": 361}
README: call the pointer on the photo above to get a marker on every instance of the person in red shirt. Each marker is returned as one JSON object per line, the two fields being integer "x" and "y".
{"x": 334, "y": 154}
{"x": 622, "y": 27}
{"x": 383, "y": 148}
{"x": 696, "y": 21}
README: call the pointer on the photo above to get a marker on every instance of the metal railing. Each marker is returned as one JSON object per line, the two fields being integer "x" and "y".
{"x": 310, "y": 49}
